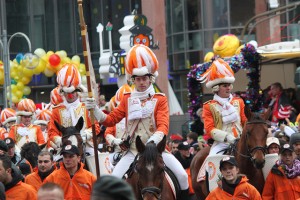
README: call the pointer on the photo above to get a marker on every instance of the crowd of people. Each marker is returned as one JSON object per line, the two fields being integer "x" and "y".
{"x": 35, "y": 163}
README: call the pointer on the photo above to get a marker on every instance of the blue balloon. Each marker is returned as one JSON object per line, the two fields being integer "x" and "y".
{"x": 19, "y": 57}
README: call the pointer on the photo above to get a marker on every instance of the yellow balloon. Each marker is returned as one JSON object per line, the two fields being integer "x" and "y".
{"x": 238, "y": 51}
{"x": 25, "y": 80}
{"x": 62, "y": 54}
{"x": 26, "y": 90}
{"x": 1, "y": 77}
{"x": 20, "y": 86}
{"x": 13, "y": 88}
{"x": 27, "y": 72}
{"x": 18, "y": 93}
{"x": 226, "y": 45}
{"x": 208, "y": 56}
{"x": 40, "y": 68}
{"x": 66, "y": 60}
{"x": 13, "y": 74}
{"x": 48, "y": 72}
{"x": 76, "y": 59}
{"x": 49, "y": 53}
{"x": 40, "y": 52}
{"x": 15, "y": 99}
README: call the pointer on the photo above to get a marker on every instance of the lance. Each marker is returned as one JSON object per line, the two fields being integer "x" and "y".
{"x": 87, "y": 62}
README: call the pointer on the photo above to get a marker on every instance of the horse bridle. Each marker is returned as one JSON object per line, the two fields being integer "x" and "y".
{"x": 250, "y": 151}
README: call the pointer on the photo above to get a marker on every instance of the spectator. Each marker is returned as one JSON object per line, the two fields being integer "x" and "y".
{"x": 75, "y": 181}
{"x": 295, "y": 143}
{"x": 183, "y": 155}
{"x": 13, "y": 154}
{"x": 191, "y": 138}
{"x": 232, "y": 184}
{"x": 2, "y": 191}
{"x": 45, "y": 168}
{"x": 273, "y": 145}
{"x": 25, "y": 169}
{"x": 175, "y": 144}
{"x": 283, "y": 182}
{"x": 14, "y": 187}
{"x": 50, "y": 191}
{"x": 112, "y": 188}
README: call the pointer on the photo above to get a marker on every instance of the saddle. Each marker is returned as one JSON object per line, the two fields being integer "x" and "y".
{"x": 169, "y": 175}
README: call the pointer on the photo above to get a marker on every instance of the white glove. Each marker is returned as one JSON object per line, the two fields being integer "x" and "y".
{"x": 86, "y": 135}
{"x": 156, "y": 137}
{"x": 117, "y": 141}
{"x": 57, "y": 141}
{"x": 111, "y": 140}
{"x": 230, "y": 138}
{"x": 90, "y": 103}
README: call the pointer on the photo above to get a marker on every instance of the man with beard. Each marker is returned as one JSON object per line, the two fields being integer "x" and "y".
{"x": 45, "y": 167}
{"x": 14, "y": 187}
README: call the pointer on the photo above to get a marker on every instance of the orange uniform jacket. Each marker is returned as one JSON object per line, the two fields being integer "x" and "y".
{"x": 37, "y": 130}
{"x": 56, "y": 116}
{"x": 279, "y": 187}
{"x": 77, "y": 187}
{"x": 213, "y": 120}
{"x": 243, "y": 190}
{"x": 21, "y": 191}
{"x": 34, "y": 180}
{"x": 161, "y": 113}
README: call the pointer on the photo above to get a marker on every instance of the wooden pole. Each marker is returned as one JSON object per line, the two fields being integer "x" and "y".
{"x": 87, "y": 62}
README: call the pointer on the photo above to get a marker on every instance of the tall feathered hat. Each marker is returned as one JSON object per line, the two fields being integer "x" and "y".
{"x": 42, "y": 117}
{"x": 141, "y": 61}
{"x": 8, "y": 115}
{"x": 26, "y": 107}
{"x": 219, "y": 72}
{"x": 121, "y": 91}
{"x": 69, "y": 79}
{"x": 55, "y": 97}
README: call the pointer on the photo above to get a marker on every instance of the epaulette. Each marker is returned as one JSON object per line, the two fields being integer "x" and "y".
{"x": 159, "y": 93}
{"x": 207, "y": 102}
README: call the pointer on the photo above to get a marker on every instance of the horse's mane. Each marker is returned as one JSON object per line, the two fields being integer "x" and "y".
{"x": 30, "y": 152}
{"x": 150, "y": 154}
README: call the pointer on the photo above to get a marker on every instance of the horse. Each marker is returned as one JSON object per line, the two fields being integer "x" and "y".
{"x": 147, "y": 174}
{"x": 71, "y": 135}
{"x": 249, "y": 152}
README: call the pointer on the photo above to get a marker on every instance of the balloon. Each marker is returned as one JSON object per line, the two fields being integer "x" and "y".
{"x": 20, "y": 86}
{"x": 30, "y": 61}
{"x": 19, "y": 57}
{"x": 26, "y": 90}
{"x": 1, "y": 77}
{"x": 49, "y": 53}
{"x": 54, "y": 60}
{"x": 40, "y": 68}
{"x": 81, "y": 69}
{"x": 18, "y": 94}
{"x": 66, "y": 60}
{"x": 25, "y": 80}
{"x": 76, "y": 59}
{"x": 48, "y": 72}
{"x": 40, "y": 52}
{"x": 62, "y": 54}
{"x": 208, "y": 56}
{"x": 13, "y": 88}
{"x": 83, "y": 80}
{"x": 27, "y": 72}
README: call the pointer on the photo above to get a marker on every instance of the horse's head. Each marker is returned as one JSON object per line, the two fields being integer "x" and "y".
{"x": 71, "y": 135}
{"x": 255, "y": 135}
{"x": 150, "y": 168}
{"x": 30, "y": 152}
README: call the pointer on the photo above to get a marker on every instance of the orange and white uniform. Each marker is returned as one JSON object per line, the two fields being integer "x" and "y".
{"x": 75, "y": 188}
{"x": 22, "y": 134}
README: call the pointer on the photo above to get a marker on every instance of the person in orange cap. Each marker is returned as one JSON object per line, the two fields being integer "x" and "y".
{"x": 146, "y": 113}
{"x": 42, "y": 120}
{"x": 24, "y": 131}
{"x": 224, "y": 115}
{"x": 8, "y": 118}
{"x": 71, "y": 109}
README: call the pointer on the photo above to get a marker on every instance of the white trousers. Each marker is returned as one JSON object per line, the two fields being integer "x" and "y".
{"x": 218, "y": 148}
{"x": 171, "y": 162}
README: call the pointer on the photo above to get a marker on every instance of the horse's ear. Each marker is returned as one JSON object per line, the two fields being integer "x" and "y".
{"x": 248, "y": 112}
{"x": 139, "y": 144}
{"x": 42, "y": 146}
{"x": 79, "y": 124}
{"x": 162, "y": 145}
{"x": 59, "y": 127}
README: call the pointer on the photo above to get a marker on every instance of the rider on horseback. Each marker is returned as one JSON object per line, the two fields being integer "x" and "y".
{"x": 146, "y": 113}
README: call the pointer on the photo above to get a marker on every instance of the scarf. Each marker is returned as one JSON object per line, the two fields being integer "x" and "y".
{"x": 135, "y": 108}
{"x": 291, "y": 172}
{"x": 230, "y": 188}
{"x": 44, "y": 175}
{"x": 229, "y": 113}
{"x": 71, "y": 107}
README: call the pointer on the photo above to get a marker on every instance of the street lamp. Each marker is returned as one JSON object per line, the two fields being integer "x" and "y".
{"x": 6, "y": 52}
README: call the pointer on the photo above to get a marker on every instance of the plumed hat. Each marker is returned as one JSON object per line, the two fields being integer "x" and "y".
{"x": 55, "y": 97}
{"x": 42, "y": 117}
{"x": 219, "y": 72}
{"x": 121, "y": 91}
{"x": 69, "y": 79}
{"x": 26, "y": 107}
{"x": 8, "y": 115}
{"x": 141, "y": 61}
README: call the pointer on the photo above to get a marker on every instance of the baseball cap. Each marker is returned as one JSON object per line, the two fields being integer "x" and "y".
{"x": 3, "y": 146}
{"x": 271, "y": 140}
{"x": 9, "y": 142}
{"x": 70, "y": 149}
{"x": 287, "y": 147}
{"x": 294, "y": 138}
{"x": 229, "y": 159}
{"x": 183, "y": 146}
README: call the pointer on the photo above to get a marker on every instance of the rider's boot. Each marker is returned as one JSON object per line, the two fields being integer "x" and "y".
{"x": 184, "y": 195}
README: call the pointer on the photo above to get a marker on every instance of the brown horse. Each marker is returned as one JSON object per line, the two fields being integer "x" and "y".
{"x": 249, "y": 152}
{"x": 71, "y": 135}
{"x": 148, "y": 174}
